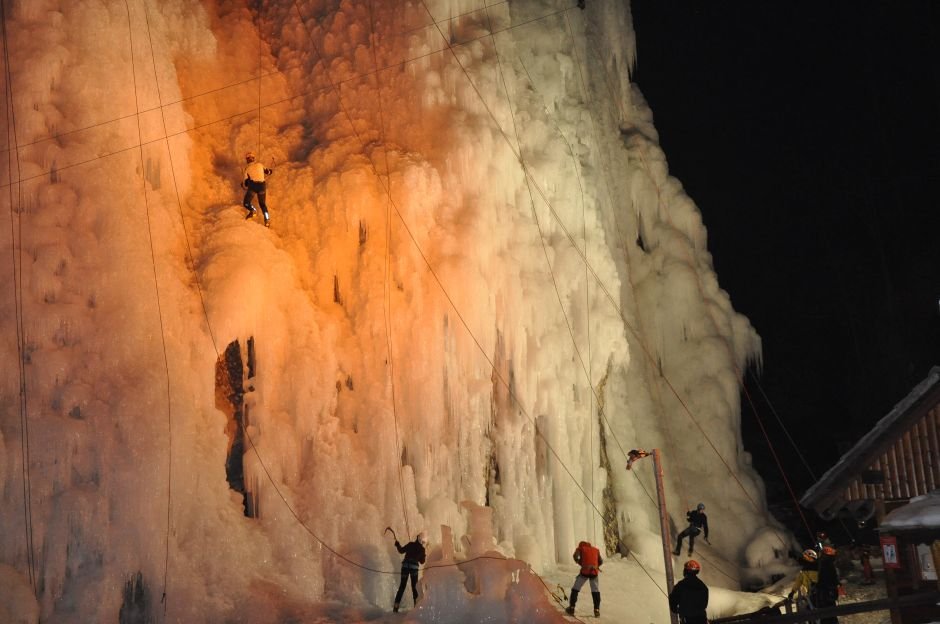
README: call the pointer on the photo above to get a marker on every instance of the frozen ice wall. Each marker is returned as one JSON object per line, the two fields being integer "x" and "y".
{"x": 480, "y": 287}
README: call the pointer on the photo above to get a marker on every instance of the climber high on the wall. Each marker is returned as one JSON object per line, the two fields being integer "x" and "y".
{"x": 254, "y": 184}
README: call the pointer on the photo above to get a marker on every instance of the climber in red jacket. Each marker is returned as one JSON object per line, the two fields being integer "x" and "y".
{"x": 590, "y": 559}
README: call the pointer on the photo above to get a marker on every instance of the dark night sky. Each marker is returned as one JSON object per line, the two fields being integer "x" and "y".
{"x": 808, "y": 134}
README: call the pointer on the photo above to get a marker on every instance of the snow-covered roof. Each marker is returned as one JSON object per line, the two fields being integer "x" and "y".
{"x": 881, "y": 436}
{"x": 923, "y": 512}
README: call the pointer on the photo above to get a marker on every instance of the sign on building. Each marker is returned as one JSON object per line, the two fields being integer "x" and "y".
{"x": 889, "y": 550}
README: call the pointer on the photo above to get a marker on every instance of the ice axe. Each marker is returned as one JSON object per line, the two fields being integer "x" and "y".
{"x": 390, "y": 530}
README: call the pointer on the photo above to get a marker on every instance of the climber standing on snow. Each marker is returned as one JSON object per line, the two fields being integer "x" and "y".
{"x": 689, "y": 598}
{"x": 698, "y": 522}
{"x": 827, "y": 583}
{"x": 804, "y": 587}
{"x": 590, "y": 559}
{"x": 254, "y": 185}
{"x": 415, "y": 554}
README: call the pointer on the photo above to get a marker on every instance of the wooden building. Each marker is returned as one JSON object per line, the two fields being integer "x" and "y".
{"x": 894, "y": 462}
{"x": 898, "y": 460}
{"x": 910, "y": 543}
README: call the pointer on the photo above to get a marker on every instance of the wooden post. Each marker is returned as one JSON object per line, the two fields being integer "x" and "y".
{"x": 935, "y": 554}
{"x": 890, "y": 580}
{"x": 891, "y": 584}
{"x": 664, "y": 528}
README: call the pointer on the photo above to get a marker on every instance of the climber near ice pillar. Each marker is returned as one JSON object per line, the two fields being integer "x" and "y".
{"x": 254, "y": 184}
{"x": 415, "y": 554}
{"x": 689, "y": 598}
{"x": 698, "y": 522}
{"x": 590, "y": 559}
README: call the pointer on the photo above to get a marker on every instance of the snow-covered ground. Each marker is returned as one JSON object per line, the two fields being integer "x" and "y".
{"x": 480, "y": 289}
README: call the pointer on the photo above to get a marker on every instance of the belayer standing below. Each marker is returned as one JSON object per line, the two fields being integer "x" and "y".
{"x": 689, "y": 598}
{"x": 254, "y": 184}
{"x": 591, "y": 561}
{"x": 415, "y": 554}
{"x": 804, "y": 587}
{"x": 827, "y": 584}
{"x": 698, "y": 522}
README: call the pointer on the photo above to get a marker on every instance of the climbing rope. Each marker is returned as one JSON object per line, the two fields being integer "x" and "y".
{"x": 17, "y": 266}
{"x": 600, "y": 283}
{"x": 437, "y": 279}
{"x": 354, "y": 77}
{"x": 369, "y": 568}
{"x": 529, "y": 177}
{"x": 773, "y": 452}
{"x": 156, "y": 286}
{"x": 681, "y": 401}
{"x": 387, "y": 297}
{"x": 738, "y": 373}
{"x": 576, "y": 167}
{"x": 588, "y": 269}
{"x": 333, "y": 85}
{"x": 590, "y": 378}
{"x": 251, "y": 111}
{"x": 535, "y": 184}
{"x": 260, "y": 72}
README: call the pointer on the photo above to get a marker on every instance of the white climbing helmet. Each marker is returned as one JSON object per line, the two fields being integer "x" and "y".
{"x": 250, "y": 157}
{"x": 423, "y": 538}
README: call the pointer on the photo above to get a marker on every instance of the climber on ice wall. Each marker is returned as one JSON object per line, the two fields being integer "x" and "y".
{"x": 254, "y": 184}
{"x": 415, "y": 554}
{"x": 698, "y": 522}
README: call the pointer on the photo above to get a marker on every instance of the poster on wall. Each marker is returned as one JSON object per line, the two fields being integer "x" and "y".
{"x": 927, "y": 570}
{"x": 889, "y": 550}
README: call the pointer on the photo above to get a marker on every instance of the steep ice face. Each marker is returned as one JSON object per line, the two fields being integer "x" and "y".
{"x": 481, "y": 287}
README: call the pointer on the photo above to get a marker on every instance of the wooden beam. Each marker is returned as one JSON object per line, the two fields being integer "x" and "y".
{"x": 886, "y": 484}
{"x": 910, "y": 463}
{"x": 927, "y": 455}
{"x": 898, "y": 479}
{"x": 920, "y": 464}
{"x": 934, "y": 441}
{"x": 914, "y": 440}
{"x": 871, "y": 491}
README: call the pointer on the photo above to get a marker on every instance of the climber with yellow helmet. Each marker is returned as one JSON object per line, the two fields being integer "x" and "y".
{"x": 254, "y": 184}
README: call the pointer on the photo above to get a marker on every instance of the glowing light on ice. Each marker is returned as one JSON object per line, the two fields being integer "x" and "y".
{"x": 427, "y": 338}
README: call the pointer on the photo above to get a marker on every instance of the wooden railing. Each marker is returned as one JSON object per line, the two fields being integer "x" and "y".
{"x": 915, "y": 600}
